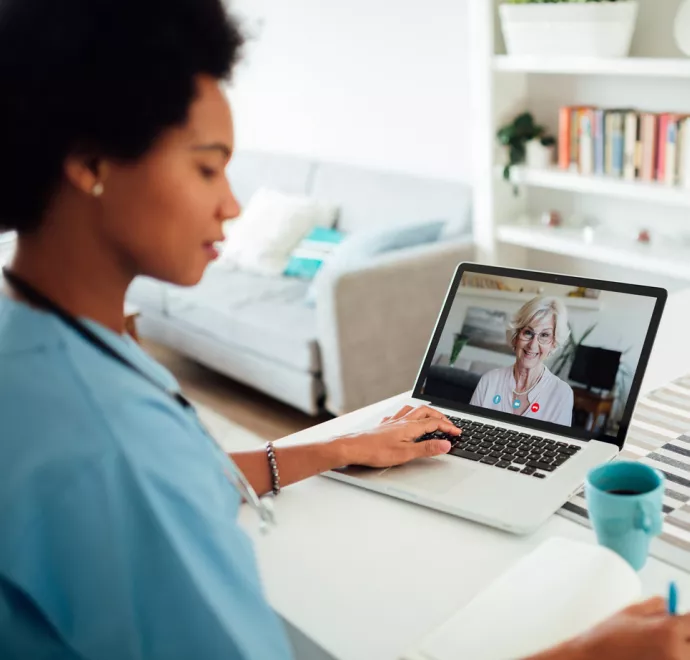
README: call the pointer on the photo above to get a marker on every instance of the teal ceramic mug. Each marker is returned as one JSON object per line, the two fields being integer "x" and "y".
{"x": 624, "y": 500}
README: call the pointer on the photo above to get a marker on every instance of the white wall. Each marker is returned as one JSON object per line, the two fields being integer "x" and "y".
{"x": 369, "y": 82}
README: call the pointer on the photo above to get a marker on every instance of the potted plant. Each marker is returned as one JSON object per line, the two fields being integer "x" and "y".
{"x": 526, "y": 141}
{"x": 588, "y": 28}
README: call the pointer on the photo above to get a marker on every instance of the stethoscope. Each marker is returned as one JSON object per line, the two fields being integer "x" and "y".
{"x": 263, "y": 509}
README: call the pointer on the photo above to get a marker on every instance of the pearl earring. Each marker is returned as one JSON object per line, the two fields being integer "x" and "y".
{"x": 98, "y": 190}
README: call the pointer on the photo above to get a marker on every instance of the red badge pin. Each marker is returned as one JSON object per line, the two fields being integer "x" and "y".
{"x": 535, "y": 408}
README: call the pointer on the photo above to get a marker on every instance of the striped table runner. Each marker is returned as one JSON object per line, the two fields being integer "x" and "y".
{"x": 659, "y": 436}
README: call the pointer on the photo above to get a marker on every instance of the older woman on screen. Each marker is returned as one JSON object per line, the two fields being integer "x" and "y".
{"x": 527, "y": 388}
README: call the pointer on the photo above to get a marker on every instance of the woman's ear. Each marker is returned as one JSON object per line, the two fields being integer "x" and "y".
{"x": 86, "y": 173}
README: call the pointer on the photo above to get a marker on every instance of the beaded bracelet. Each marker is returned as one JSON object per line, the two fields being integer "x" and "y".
{"x": 273, "y": 465}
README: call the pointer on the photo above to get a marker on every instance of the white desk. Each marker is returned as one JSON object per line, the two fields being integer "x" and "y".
{"x": 365, "y": 576}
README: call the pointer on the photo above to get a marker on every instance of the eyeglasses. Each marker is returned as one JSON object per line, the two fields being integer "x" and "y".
{"x": 544, "y": 338}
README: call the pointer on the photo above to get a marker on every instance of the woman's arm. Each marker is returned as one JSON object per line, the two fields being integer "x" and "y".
{"x": 392, "y": 443}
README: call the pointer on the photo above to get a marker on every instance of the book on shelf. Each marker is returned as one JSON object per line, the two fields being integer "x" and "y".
{"x": 586, "y": 141}
{"x": 625, "y": 143}
{"x": 599, "y": 142}
{"x": 564, "y": 138}
{"x": 649, "y": 138}
{"x": 630, "y": 159}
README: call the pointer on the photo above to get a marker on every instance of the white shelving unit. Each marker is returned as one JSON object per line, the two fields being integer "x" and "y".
{"x": 641, "y": 191}
{"x": 629, "y": 66}
{"x": 648, "y": 258}
{"x": 655, "y": 78}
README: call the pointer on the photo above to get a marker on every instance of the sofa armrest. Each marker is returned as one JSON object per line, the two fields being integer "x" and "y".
{"x": 374, "y": 323}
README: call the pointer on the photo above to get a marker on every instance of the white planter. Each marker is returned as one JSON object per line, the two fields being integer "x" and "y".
{"x": 538, "y": 156}
{"x": 592, "y": 29}
{"x": 681, "y": 27}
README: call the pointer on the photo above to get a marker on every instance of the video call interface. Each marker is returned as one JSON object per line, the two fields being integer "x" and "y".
{"x": 546, "y": 352}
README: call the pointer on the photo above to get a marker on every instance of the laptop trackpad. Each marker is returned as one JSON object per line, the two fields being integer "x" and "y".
{"x": 428, "y": 474}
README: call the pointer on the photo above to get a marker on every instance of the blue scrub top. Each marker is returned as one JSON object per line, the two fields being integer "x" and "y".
{"x": 118, "y": 531}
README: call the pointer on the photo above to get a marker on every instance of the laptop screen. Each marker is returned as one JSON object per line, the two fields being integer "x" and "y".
{"x": 542, "y": 352}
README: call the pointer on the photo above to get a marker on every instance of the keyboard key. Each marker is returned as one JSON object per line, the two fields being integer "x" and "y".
{"x": 553, "y": 454}
{"x": 495, "y": 454}
{"x": 483, "y": 452}
{"x": 512, "y": 468}
{"x": 520, "y": 460}
{"x": 508, "y": 457}
{"x": 562, "y": 444}
{"x": 528, "y": 470}
{"x": 539, "y": 476}
{"x": 489, "y": 461}
{"x": 536, "y": 437}
{"x": 503, "y": 464}
{"x": 486, "y": 445}
{"x": 571, "y": 451}
{"x": 537, "y": 465}
{"x": 521, "y": 452}
{"x": 575, "y": 447}
{"x": 514, "y": 445}
{"x": 469, "y": 455}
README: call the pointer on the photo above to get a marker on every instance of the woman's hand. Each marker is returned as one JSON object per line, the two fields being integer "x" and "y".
{"x": 641, "y": 632}
{"x": 393, "y": 442}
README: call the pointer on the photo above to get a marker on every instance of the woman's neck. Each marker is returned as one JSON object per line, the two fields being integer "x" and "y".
{"x": 84, "y": 281}
{"x": 527, "y": 378}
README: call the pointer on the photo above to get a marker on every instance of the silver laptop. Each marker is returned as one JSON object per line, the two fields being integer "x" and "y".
{"x": 542, "y": 373}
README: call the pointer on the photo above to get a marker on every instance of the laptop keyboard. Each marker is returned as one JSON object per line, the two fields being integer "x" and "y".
{"x": 526, "y": 454}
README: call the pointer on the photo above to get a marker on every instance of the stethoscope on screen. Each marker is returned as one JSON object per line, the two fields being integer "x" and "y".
{"x": 262, "y": 508}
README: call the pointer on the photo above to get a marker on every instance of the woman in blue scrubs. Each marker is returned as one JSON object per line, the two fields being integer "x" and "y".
{"x": 118, "y": 533}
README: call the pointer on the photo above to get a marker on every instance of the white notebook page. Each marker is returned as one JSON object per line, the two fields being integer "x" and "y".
{"x": 555, "y": 593}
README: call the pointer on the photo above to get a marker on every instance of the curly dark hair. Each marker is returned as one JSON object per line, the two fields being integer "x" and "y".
{"x": 102, "y": 77}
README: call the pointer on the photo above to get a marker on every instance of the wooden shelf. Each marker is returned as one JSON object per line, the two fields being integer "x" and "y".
{"x": 668, "y": 261}
{"x": 624, "y": 66}
{"x": 641, "y": 191}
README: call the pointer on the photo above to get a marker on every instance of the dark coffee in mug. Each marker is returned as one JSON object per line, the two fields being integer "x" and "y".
{"x": 624, "y": 492}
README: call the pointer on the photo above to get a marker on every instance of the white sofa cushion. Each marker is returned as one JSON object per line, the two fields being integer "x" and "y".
{"x": 262, "y": 238}
{"x": 259, "y": 314}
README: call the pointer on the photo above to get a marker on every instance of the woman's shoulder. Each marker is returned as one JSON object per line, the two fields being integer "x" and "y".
{"x": 494, "y": 375}
{"x": 558, "y": 385}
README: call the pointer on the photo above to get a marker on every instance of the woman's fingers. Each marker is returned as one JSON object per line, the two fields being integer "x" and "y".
{"x": 423, "y": 412}
{"x": 401, "y": 413}
{"x": 430, "y": 448}
{"x": 431, "y": 424}
{"x": 408, "y": 413}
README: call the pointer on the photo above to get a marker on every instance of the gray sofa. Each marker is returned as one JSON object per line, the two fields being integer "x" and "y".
{"x": 365, "y": 337}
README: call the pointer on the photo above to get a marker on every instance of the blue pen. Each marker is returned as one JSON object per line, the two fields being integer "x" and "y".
{"x": 672, "y": 599}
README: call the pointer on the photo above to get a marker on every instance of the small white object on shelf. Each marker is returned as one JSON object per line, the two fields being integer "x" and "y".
{"x": 596, "y": 29}
{"x": 681, "y": 27}
{"x": 644, "y": 191}
{"x": 538, "y": 155}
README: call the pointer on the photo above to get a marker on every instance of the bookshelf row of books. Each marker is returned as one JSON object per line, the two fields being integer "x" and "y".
{"x": 627, "y": 144}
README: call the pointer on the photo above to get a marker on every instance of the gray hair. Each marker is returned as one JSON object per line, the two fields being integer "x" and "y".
{"x": 537, "y": 309}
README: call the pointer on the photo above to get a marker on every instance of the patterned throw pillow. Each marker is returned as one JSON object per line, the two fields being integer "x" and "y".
{"x": 310, "y": 254}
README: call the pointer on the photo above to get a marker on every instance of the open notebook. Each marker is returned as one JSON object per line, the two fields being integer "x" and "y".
{"x": 553, "y": 594}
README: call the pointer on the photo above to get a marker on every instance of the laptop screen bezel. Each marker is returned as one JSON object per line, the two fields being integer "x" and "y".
{"x": 659, "y": 294}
